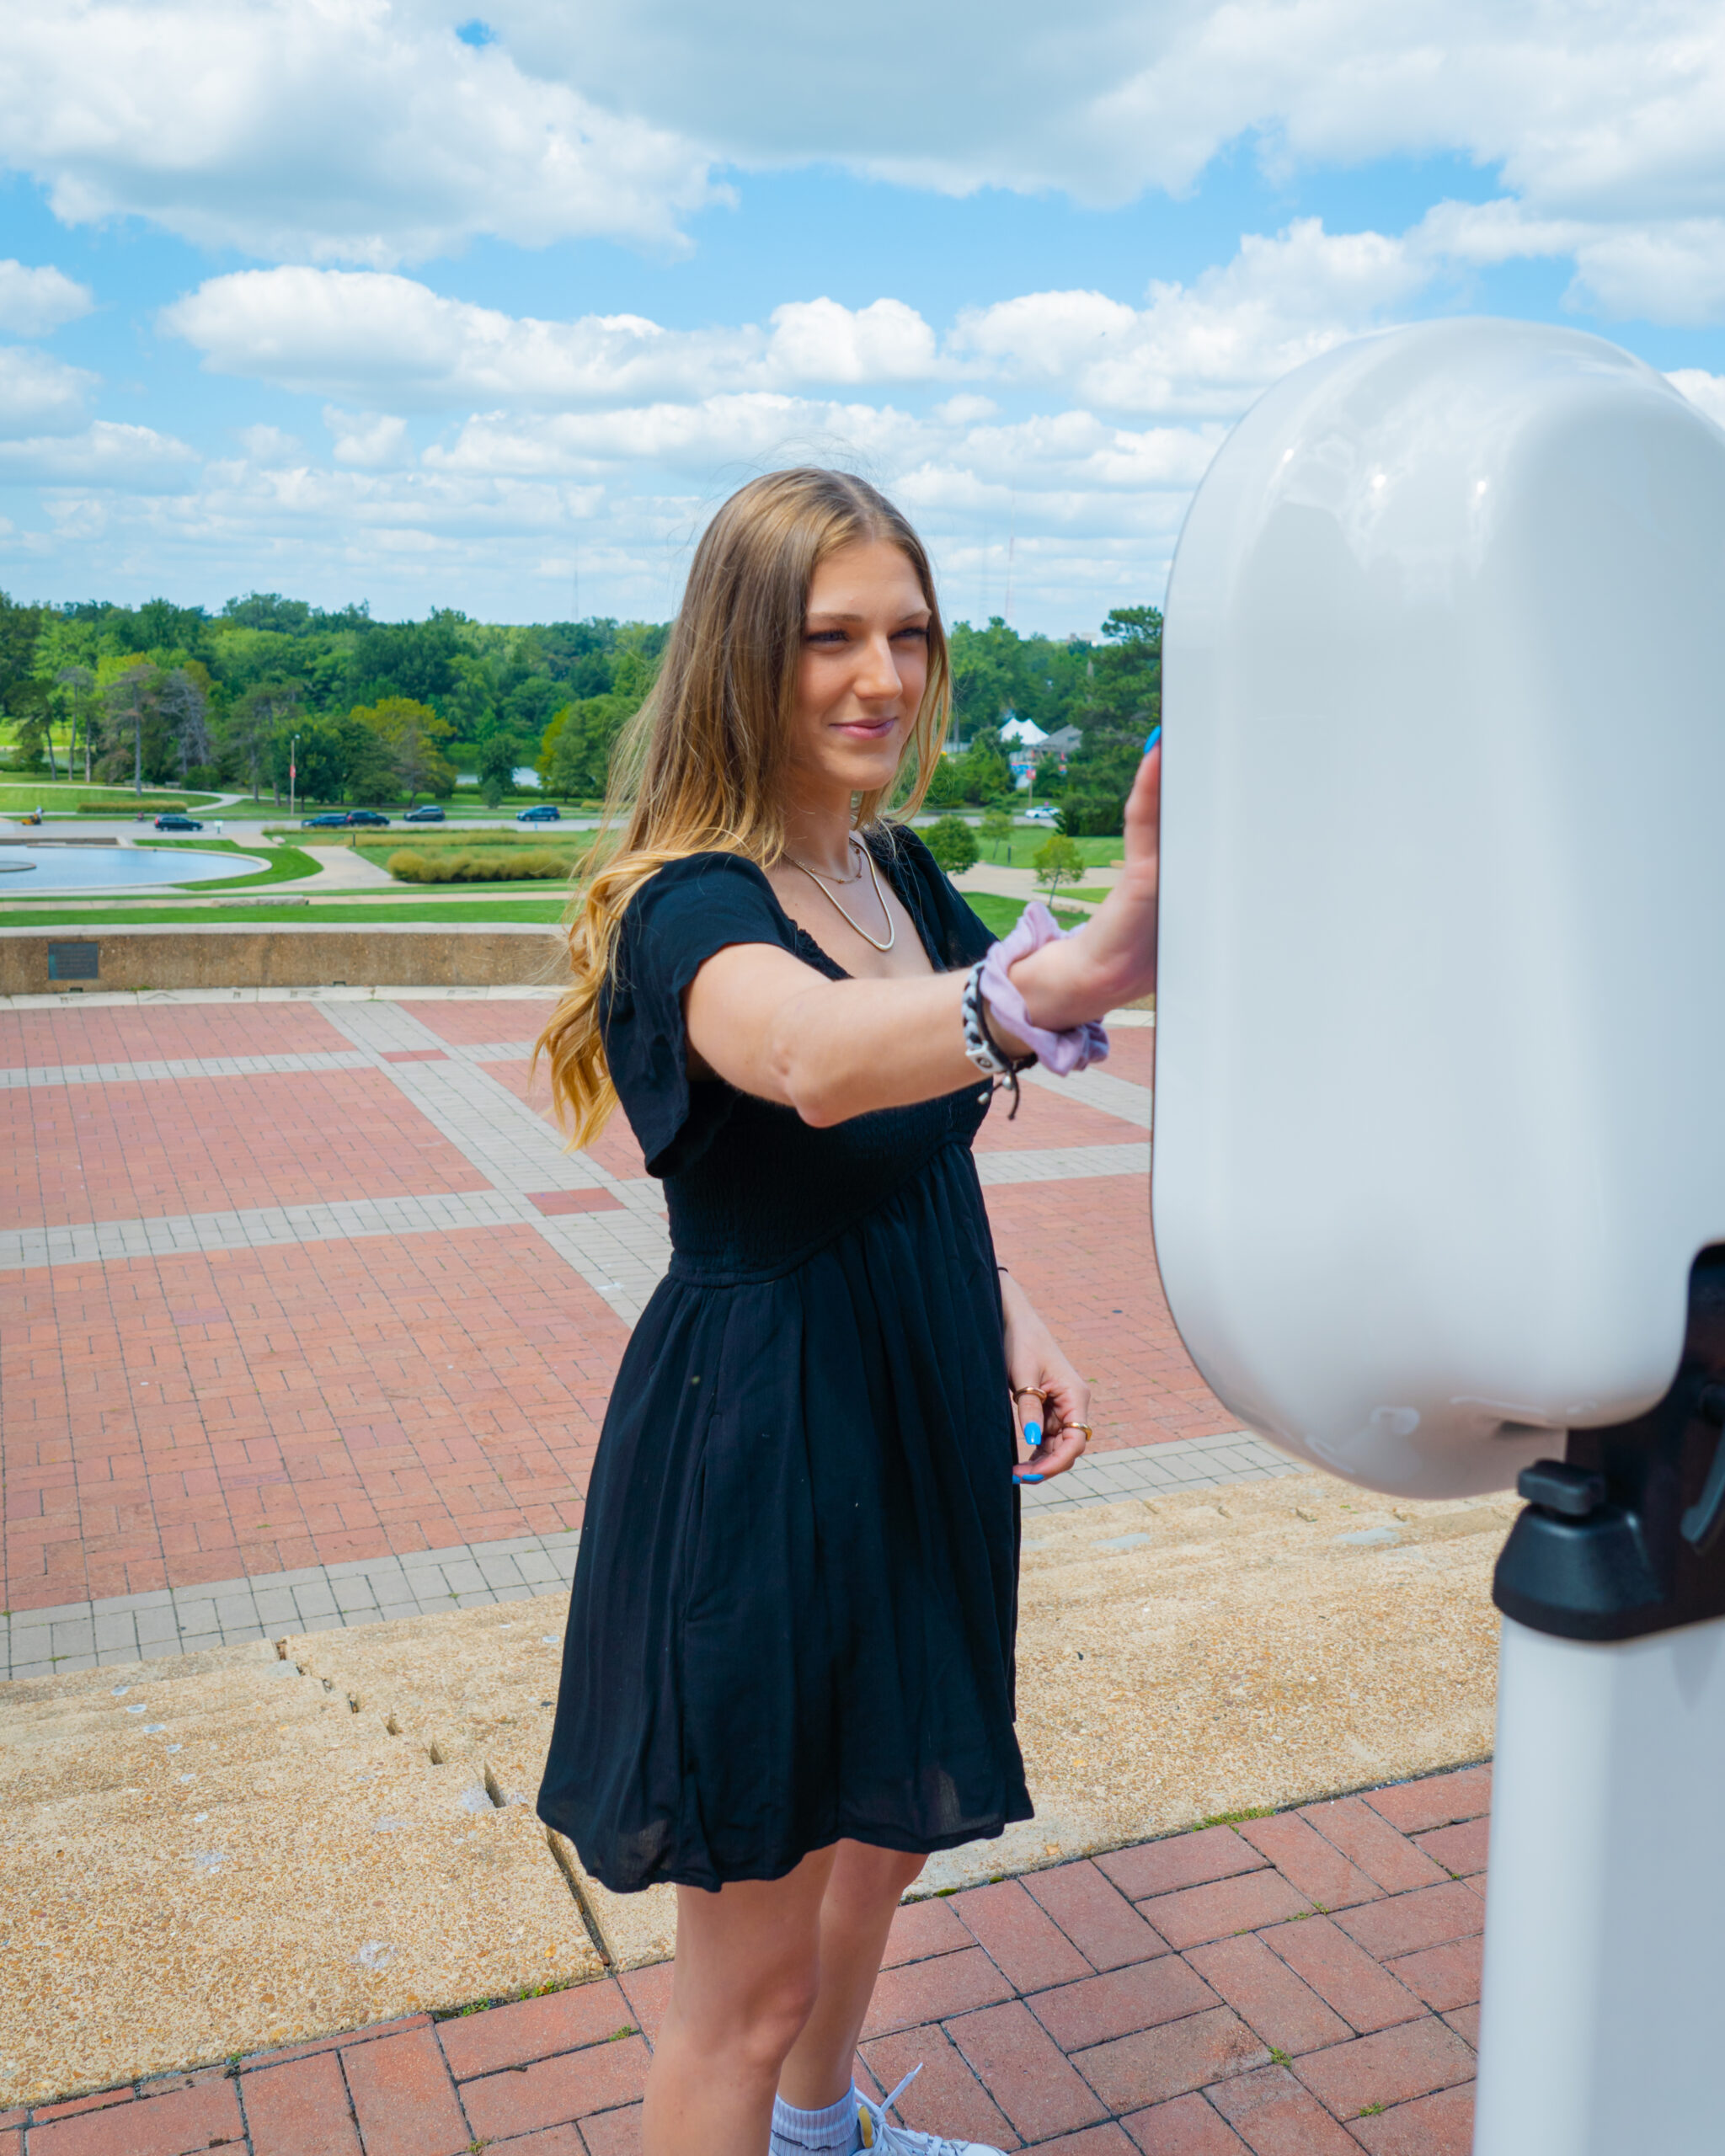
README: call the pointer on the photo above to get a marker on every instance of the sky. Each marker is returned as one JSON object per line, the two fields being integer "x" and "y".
{"x": 367, "y": 299}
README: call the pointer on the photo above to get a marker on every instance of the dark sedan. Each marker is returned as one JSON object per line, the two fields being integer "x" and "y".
{"x": 542, "y": 812}
{"x": 430, "y": 813}
{"x": 363, "y": 816}
{"x": 171, "y": 822}
{"x": 322, "y": 823}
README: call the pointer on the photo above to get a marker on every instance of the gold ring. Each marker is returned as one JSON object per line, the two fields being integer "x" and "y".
{"x": 1030, "y": 1391}
{"x": 1084, "y": 1427}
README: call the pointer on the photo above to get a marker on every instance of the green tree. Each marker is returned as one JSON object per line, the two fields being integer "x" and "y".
{"x": 498, "y": 755}
{"x": 1123, "y": 699}
{"x": 945, "y": 789}
{"x": 996, "y": 828}
{"x": 414, "y": 662}
{"x": 367, "y": 762}
{"x": 1094, "y": 803}
{"x": 983, "y": 770}
{"x": 321, "y": 760}
{"x": 132, "y": 704}
{"x": 183, "y": 701}
{"x": 1126, "y": 683}
{"x": 261, "y": 717}
{"x": 75, "y": 688}
{"x": 411, "y": 734}
{"x": 1058, "y": 860}
{"x": 954, "y": 845}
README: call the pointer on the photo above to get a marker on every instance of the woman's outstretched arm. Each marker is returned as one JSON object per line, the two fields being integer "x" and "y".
{"x": 774, "y": 1027}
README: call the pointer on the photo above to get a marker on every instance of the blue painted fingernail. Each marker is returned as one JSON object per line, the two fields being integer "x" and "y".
{"x": 1026, "y": 1478}
{"x": 1033, "y": 1433}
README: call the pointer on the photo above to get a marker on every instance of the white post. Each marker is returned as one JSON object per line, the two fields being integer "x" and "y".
{"x": 1605, "y": 1970}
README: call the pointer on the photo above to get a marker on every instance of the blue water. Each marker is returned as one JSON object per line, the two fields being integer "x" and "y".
{"x": 110, "y": 869}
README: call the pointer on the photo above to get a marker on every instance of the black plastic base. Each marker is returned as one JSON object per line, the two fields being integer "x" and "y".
{"x": 1623, "y": 1537}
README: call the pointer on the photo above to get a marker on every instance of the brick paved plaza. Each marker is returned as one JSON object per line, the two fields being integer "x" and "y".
{"x": 306, "y": 1317}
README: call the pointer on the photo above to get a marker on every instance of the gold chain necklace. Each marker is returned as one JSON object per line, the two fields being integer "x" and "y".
{"x": 892, "y": 926}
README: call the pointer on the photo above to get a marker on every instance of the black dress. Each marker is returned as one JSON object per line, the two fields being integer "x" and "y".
{"x": 796, "y": 1595}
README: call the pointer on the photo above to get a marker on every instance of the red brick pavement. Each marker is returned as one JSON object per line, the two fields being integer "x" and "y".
{"x": 1046, "y": 1119}
{"x": 494, "y": 1018}
{"x": 167, "y": 1422}
{"x": 150, "y": 1033}
{"x": 1132, "y": 1054}
{"x": 129, "y": 1151}
{"x": 1047, "y": 2012}
{"x": 171, "y": 1422}
{"x": 1083, "y": 1251}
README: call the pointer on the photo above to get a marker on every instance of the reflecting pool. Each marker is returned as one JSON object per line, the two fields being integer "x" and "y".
{"x": 25, "y": 870}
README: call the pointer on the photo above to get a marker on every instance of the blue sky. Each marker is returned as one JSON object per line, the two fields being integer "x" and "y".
{"x": 333, "y": 300}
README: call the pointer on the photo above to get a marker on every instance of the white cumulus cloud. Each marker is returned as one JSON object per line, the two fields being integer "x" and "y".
{"x": 368, "y": 335}
{"x": 38, "y": 392}
{"x": 365, "y": 131}
{"x": 106, "y": 454}
{"x": 1209, "y": 346}
{"x": 371, "y": 440}
{"x": 379, "y": 340}
{"x": 34, "y": 303}
{"x": 336, "y": 129}
{"x": 1702, "y": 389}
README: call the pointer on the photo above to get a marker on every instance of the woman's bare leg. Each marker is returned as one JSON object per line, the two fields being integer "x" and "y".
{"x": 746, "y": 1980}
{"x": 855, "y": 1915}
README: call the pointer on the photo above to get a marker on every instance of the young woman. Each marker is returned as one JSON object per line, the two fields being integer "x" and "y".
{"x": 788, "y": 1677}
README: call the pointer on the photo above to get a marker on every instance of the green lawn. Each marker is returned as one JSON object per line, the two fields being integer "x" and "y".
{"x": 62, "y": 798}
{"x": 98, "y": 918}
{"x": 287, "y": 863}
{"x": 1002, "y": 914}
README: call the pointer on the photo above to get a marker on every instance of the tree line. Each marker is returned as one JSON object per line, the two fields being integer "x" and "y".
{"x": 160, "y": 695}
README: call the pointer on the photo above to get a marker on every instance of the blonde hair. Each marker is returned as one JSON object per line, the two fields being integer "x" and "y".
{"x": 700, "y": 768}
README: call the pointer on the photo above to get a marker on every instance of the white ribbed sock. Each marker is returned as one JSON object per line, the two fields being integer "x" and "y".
{"x": 833, "y": 2131}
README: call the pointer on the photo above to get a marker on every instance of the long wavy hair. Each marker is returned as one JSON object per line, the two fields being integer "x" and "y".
{"x": 700, "y": 768}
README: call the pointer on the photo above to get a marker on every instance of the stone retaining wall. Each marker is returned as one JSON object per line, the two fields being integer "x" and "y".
{"x": 36, "y": 962}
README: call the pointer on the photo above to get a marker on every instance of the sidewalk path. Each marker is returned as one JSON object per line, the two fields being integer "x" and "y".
{"x": 1304, "y": 1984}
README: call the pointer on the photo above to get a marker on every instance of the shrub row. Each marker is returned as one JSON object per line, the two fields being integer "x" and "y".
{"x": 149, "y": 805}
{"x": 501, "y": 868}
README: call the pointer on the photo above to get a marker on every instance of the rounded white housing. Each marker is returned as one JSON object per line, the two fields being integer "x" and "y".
{"x": 1441, "y": 1083}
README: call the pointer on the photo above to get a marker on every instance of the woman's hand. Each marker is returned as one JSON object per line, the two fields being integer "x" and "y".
{"x": 1051, "y": 1401}
{"x": 1112, "y": 959}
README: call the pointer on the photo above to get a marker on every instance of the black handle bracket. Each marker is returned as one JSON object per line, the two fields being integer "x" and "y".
{"x": 1626, "y": 1535}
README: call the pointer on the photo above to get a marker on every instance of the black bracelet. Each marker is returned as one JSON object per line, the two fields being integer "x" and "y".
{"x": 982, "y": 1049}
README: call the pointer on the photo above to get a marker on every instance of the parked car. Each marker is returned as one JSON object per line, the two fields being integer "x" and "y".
{"x": 1043, "y": 812}
{"x": 322, "y": 823}
{"x": 542, "y": 812}
{"x": 429, "y": 814}
{"x": 172, "y": 820}
{"x": 363, "y": 816}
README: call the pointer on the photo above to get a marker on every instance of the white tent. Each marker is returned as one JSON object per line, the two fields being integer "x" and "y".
{"x": 1023, "y": 733}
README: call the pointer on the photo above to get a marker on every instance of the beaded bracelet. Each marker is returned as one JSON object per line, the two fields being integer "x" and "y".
{"x": 980, "y": 1046}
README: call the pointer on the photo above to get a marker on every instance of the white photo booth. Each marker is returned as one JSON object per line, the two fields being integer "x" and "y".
{"x": 1439, "y": 1193}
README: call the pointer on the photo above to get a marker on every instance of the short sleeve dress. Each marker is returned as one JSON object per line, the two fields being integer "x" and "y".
{"x": 795, "y": 1599}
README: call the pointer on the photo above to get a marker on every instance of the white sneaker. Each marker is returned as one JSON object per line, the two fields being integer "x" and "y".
{"x": 898, "y": 2140}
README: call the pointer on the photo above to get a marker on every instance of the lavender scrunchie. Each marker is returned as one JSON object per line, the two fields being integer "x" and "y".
{"x": 1060, "y": 1053}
